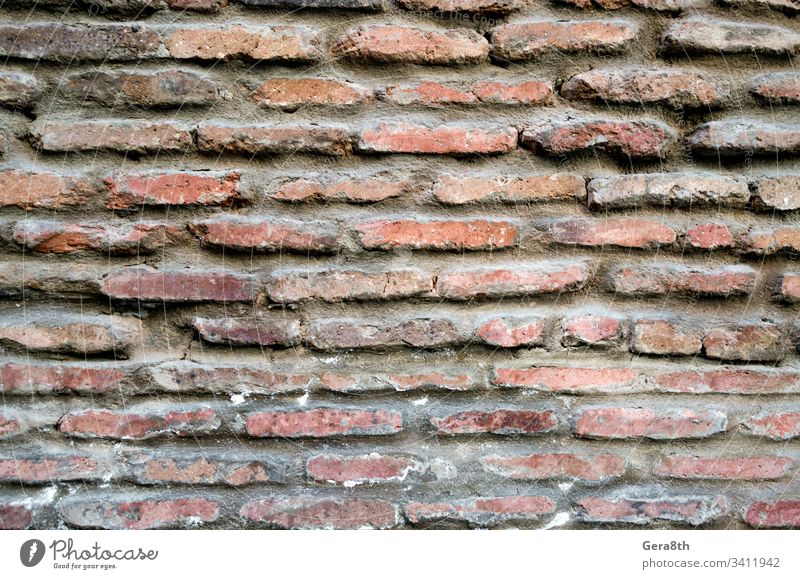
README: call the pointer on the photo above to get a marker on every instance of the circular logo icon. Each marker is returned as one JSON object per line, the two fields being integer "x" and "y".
{"x": 32, "y": 552}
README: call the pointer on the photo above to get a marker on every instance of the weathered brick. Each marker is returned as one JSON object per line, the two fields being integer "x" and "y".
{"x": 247, "y": 233}
{"x": 155, "y": 513}
{"x": 273, "y": 139}
{"x": 164, "y": 88}
{"x": 704, "y": 35}
{"x": 640, "y": 86}
{"x": 719, "y": 468}
{"x": 778, "y": 87}
{"x": 435, "y": 94}
{"x": 66, "y": 43}
{"x": 789, "y": 287}
{"x": 323, "y": 422}
{"x": 449, "y": 381}
{"x": 569, "y": 380}
{"x": 532, "y": 92}
{"x": 630, "y": 191}
{"x": 709, "y": 236}
{"x": 669, "y": 424}
{"x": 691, "y": 510}
{"x": 786, "y": 6}
{"x": 322, "y": 513}
{"x": 503, "y": 422}
{"x": 291, "y": 94}
{"x": 666, "y": 279}
{"x": 22, "y": 279}
{"x": 593, "y": 329}
{"x": 765, "y": 242}
{"x": 726, "y": 381}
{"x": 15, "y": 517}
{"x": 743, "y": 137}
{"x": 11, "y": 425}
{"x": 669, "y": 6}
{"x": 451, "y": 235}
{"x": 597, "y": 468}
{"x": 429, "y": 93}
{"x": 352, "y": 190}
{"x": 68, "y": 333}
{"x": 482, "y": 512}
{"x": 530, "y": 40}
{"x": 359, "y": 5}
{"x": 640, "y": 139}
{"x": 775, "y": 426}
{"x": 37, "y": 468}
{"x": 408, "y": 44}
{"x": 291, "y": 286}
{"x": 171, "y": 189}
{"x": 346, "y": 333}
{"x": 512, "y": 281}
{"x": 44, "y": 190}
{"x": 371, "y": 468}
{"x": 140, "y": 238}
{"x": 625, "y": 232}
{"x": 448, "y": 139}
{"x": 661, "y": 336}
{"x": 780, "y": 193}
{"x": 269, "y": 43}
{"x": 193, "y": 378}
{"x": 149, "y": 469}
{"x": 754, "y": 342}
{"x": 120, "y": 136}
{"x": 151, "y": 285}
{"x": 460, "y": 190}
{"x": 30, "y": 378}
{"x": 512, "y": 331}
{"x": 249, "y": 332}
{"x": 780, "y": 514}
{"x": 125, "y": 425}
{"x": 462, "y": 6}
{"x": 18, "y": 90}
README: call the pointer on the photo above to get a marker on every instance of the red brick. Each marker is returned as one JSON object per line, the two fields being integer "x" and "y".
{"x": 641, "y": 139}
{"x": 18, "y": 90}
{"x": 44, "y": 190}
{"x": 726, "y": 381}
{"x": 778, "y": 87}
{"x": 640, "y": 86}
{"x": 770, "y": 241}
{"x": 780, "y": 193}
{"x": 789, "y": 287}
{"x": 364, "y": 469}
{"x": 247, "y": 233}
{"x": 630, "y": 191}
{"x": 776, "y": 426}
{"x": 429, "y": 93}
{"x": 163, "y": 88}
{"x": 408, "y": 44}
{"x": 503, "y": 422}
{"x": 665, "y": 337}
{"x": 597, "y": 468}
{"x": 171, "y": 189}
{"x": 341, "y": 285}
{"x": 309, "y": 5}
{"x": 451, "y": 235}
{"x": 704, "y": 35}
{"x": 120, "y": 136}
{"x": 716, "y": 468}
{"x": 110, "y": 513}
{"x": 758, "y": 342}
{"x": 781, "y": 514}
{"x": 249, "y": 332}
{"x": 322, "y": 513}
{"x": 521, "y": 279}
{"x": 513, "y": 331}
{"x": 291, "y": 94}
{"x": 432, "y": 381}
{"x": 139, "y": 426}
{"x": 67, "y": 43}
{"x": 274, "y": 139}
{"x": 462, "y": 6}
{"x": 459, "y": 190}
{"x": 75, "y": 334}
{"x": 670, "y": 424}
{"x": 355, "y": 190}
{"x": 150, "y": 285}
{"x": 15, "y": 517}
{"x": 532, "y": 92}
{"x": 147, "y": 469}
{"x": 482, "y": 512}
{"x": 530, "y": 40}
{"x": 744, "y": 138}
{"x": 569, "y": 380}
{"x": 27, "y": 378}
{"x": 665, "y": 279}
{"x": 11, "y": 425}
{"x": 593, "y": 330}
{"x": 323, "y": 422}
{"x": 643, "y": 511}
{"x": 709, "y": 236}
{"x": 192, "y": 378}
{"x": 48, "y": 469}
{"x": 270, "y": 43}
{"x": 346, "y": 333}
{"x": 139, "y": 238}
{"x": 626, "y": 232}
{"x": 447, "y": 139}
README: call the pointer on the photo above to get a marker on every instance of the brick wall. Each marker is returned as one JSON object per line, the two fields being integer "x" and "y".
{"x": 345, "y": 263}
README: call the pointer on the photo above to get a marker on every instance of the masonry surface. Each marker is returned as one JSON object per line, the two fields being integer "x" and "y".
{"x": 424, "y": 264}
